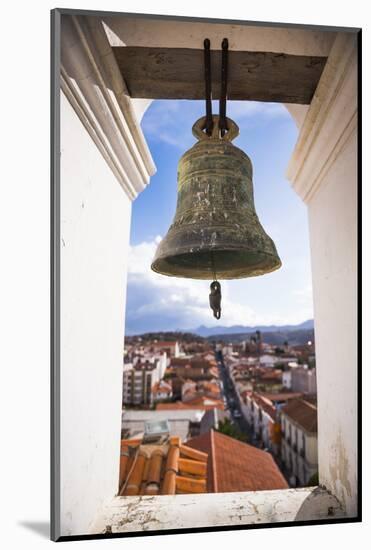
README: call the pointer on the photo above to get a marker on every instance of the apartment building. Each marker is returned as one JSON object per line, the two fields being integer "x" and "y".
{"x": 299, "y": 440}
{"x": 262, "y": 413}
{"x": 138, "y": 381}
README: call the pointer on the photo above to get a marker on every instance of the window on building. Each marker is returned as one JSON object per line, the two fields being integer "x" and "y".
{"x": 303, "y": 453}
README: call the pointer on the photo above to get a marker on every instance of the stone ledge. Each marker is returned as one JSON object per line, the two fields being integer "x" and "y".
{"x": 146, "y": 513}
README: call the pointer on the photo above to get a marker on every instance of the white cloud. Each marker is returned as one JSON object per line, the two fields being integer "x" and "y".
{"x": 246, "y": 109}
{"x": 304, "y": 296}
{"x": 171, "y": 302}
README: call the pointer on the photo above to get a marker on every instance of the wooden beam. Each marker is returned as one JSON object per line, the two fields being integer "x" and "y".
{"x": 167, "y": 73}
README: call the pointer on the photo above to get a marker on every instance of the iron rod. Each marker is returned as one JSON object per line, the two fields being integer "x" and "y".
{"x": 209, "y": 116}
{"x": 223, "y": 91}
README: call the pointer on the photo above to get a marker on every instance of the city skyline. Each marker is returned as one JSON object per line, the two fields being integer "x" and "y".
{"x": 248, "y": 409}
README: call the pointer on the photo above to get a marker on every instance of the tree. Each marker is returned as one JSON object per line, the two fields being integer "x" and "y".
{"x": 227, "y": 428}
{"x": 313, "y": 481}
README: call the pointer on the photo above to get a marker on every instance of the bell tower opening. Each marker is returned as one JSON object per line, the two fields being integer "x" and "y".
{"x": 247, "y": 358}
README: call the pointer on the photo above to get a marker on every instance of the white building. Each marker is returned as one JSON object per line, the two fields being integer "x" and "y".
{"x": 138, "y": 380}
{"x": 227, "y": 350}
{"x": 299, "y": 444}
{"x": 162, "y": 391}
{"x": 267, "y": 360}
{"x": 183, "y": 423}
{"x": 143, "y": 355}
{"x": 287, "y": 378}
{"x": 188, "y": 386}
{"x": 304, "y": 380}
{"x": 260, "y": 414}
{"x": 170, "y": 347}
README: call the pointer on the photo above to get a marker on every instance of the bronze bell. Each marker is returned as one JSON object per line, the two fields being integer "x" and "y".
{"x": 215, "y": 233}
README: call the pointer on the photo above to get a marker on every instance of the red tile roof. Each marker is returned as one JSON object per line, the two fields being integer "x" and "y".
{"x": 265, "y": 404}
{"x": 282, "y": 396}
{"x": 203, "y": 404}
{"x": 164, "y": 344}
{"x": 201, "y": 390}
{"x": 161, "y": 469}
{"x": 273, "y": 375}
{"x": 204, "y": 401}
{"x": 172, "y": 406}
{"x": 179, "y": 361}
{"x": 235, "y": 466}
{"x": 162, "y": 387}
{"x": 303, "y": 412}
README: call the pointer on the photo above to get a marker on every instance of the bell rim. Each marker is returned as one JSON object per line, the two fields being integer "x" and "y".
{"x": 207, "y": 274}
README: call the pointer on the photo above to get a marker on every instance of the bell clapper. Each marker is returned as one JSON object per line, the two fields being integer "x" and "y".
{"x": 215, "y": 298}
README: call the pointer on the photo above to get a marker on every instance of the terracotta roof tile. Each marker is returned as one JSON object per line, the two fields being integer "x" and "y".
{"x": 154, "y": 473}
{"x": 189, "y": 452}
{"x": 189, "y": 485}
{"x": 236, "y": 466}
{"x": 164, "y": 468}
{"x": 135, "y": 475}
{"x": 212, "y": 463}
{"x": 189, "y": 466}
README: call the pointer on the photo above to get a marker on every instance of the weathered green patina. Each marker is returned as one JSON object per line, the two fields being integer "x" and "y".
{"x": 216, "y": 232}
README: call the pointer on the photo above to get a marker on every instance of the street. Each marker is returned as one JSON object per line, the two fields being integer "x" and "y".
{"x": 233, "y": 402}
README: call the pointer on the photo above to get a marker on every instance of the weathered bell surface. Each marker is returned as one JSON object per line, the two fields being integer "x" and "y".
{"x": 215, "y": 232}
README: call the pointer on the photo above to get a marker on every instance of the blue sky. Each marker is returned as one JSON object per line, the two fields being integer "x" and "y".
{"x": 155, "y": 302}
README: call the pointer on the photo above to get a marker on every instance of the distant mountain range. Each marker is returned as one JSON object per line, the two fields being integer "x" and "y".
{"x": 272, "y": 334}
{"x": 240, "y": 329}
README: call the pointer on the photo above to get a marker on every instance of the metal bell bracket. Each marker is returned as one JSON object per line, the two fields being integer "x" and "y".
{"x": 199, "y": 127}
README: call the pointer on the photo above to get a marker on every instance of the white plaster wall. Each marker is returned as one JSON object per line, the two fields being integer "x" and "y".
{"x": 298, "y": 113}
{"x": 311, "y": 449}
{"x": 95, "y": 222}
{"x": 333, "y": 225}
{"x": 140, "y": 106}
